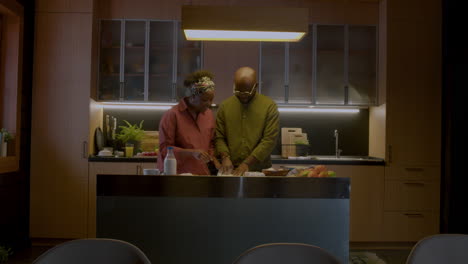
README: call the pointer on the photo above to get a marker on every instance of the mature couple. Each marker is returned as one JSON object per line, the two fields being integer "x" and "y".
{"x": 243, "y": 137}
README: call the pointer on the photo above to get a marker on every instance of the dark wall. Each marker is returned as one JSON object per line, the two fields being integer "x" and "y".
{"x": 455, "y": 65}
{"x": 14, "y": 187}
{"x": 353, "y": 128}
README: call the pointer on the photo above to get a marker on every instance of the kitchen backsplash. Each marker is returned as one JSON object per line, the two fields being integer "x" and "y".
{"x": 353, "y": 128}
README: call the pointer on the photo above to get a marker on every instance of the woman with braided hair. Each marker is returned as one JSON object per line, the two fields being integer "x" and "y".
{"x": 189, "y": 127}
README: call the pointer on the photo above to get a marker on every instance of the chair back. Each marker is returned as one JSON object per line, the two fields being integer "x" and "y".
{"x": 93, "y": 251}
{"x": 443, "y": 248}
{"x": 290, "y": 253}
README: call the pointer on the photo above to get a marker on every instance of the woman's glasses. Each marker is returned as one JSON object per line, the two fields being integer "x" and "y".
{"x": 243, "y": 93}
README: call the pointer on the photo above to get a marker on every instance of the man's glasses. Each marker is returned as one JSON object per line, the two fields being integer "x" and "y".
{"x": 243, "y": 93}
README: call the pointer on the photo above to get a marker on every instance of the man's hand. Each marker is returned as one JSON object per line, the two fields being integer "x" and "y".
{"x": 239, "y": 171}
{"x": 216, "y": 163}
{"x": 200, "y": 155}
{"x": 226, "y": 166}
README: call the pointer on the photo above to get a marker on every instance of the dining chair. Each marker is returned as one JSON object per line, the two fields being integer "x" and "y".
{"x": 93, "y": 251}
{"x": 443, "y": 248}
{"x": 290, "y": 253}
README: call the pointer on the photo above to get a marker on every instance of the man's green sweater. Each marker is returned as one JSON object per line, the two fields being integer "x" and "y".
{"x": 250, "y": 129}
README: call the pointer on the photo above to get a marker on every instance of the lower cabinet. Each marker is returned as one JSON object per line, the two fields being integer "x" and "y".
{"x": 366, "y": 203}
{"x": 95, "y": 168}
{"x": 412, "y": 202}
{"x": 409, "y": 225}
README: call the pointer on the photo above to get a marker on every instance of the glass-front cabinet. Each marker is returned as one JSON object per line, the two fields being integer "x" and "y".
{"x": 134, "y": 61}
{"x": 273, "y": 70}
{"x": 145, "y": 60}
{"x": 109, "y": 60}
{"x": 300, "y": 71}
{"x": 161, "y": 59}
{"x": 333, "y": 65}
{"x": 189, "y": 59}
{"x": 362, "y": 65}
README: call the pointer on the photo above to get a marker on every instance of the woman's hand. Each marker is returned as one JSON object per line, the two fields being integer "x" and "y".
{"x": 200, "y": 154}
{"x": 226, "y": 166}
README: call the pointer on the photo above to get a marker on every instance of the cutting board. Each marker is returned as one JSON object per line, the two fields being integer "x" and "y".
{"x": 150, "y": 141}
{"x": 287, "y": 147}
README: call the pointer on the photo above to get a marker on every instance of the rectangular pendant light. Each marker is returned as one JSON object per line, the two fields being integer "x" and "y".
{"x": 242, "y": 23}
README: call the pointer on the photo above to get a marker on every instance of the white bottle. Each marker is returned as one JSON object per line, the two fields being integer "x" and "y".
{"x": 170, "y": 162}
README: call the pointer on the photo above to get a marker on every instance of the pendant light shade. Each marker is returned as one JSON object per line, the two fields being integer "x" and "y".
{"x": 241, "y": 23}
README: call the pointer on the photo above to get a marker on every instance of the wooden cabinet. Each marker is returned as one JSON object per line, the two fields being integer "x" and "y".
{"x": 409, "y": 226}
{"x": 145, "y": 60}
{"x": 413, "y": 119}
{"x": 412, "y": 202}
{"x": 366, "y": 204}
{"x": 95, "y": 168}
{"x": 147, "y": 165}
{"x": 331, "y": 65}
{"x": 60, "y": 121}
{"x": 413, "y": 81}
{"x": 61, "y": 6}
{"x": 411, "y": 195}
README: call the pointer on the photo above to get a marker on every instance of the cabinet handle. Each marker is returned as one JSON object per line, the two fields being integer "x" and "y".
{"x": 138, "y": 169}
{"x": 85, "y": 149}
{"x": 414, "y": 169}
{"x": 415, "y": 183}
{"x": 390, "y": 153}
{"x": 414, "y": 215}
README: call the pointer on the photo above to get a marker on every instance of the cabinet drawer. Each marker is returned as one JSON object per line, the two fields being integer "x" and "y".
{"x": 411, "y": 195}
{"x": 410, "y": 226}
{"x": 415, "y": 173}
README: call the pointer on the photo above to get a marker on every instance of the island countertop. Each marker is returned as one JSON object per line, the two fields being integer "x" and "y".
{"x": 325, "y": 160}
{"x": 222, "y": 186}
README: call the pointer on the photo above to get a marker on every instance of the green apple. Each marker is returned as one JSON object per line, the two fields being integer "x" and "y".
{"x": 304, "y": 173}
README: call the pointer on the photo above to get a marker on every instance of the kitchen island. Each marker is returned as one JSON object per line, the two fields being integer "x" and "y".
{"x": 315, "y": 160}
{"x": 213, "y": 219}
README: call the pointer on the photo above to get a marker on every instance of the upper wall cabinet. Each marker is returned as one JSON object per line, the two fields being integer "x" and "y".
{"x": 145, "y": 61}
{"x": 333, "y": 65}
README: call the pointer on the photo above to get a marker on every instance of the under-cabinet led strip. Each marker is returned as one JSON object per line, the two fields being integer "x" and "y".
{"x": 166, "y": 106}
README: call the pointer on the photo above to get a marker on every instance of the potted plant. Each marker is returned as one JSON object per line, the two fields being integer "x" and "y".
{"x": 302, "y": 147}
{"x": 5, "y": 137}
{"x": 131, "y": 134}
{"x": 4, "y": 254}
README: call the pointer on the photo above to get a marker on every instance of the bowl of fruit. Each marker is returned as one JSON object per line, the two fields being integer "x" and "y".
{"x": 318, "y": 171}
{"x": 147, "y": 154}
{"x": 275, "y": 172}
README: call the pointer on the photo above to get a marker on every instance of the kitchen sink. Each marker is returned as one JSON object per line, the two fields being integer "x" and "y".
{"x": 347, "y": 158}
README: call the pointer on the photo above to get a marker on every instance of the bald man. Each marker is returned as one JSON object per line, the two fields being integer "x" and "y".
{"x": 247, "y": 126}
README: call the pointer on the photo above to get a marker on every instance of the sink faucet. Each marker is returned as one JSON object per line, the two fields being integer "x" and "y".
{"x": 337, "y": 150}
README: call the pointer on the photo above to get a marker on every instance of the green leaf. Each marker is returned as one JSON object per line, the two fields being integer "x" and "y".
{"x": 131, "y": 132}
{"x": 5, "y": 135}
